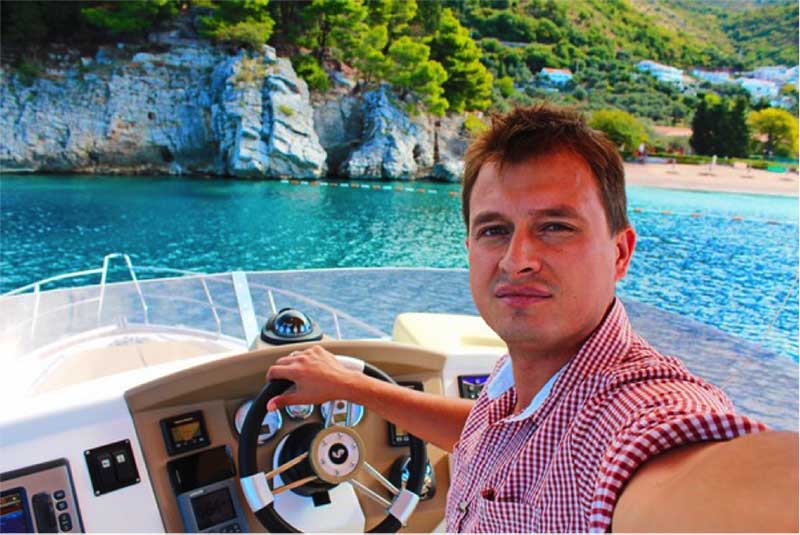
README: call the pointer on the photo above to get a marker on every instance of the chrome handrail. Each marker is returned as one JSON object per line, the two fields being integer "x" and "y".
{"x": 213, "y": 307}
{"x": 104, "y": 276}
{"x": 37, "y": 315}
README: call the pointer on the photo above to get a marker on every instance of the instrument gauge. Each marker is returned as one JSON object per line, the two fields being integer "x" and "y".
{"x": 299, "y": 412}
{"x": 270, "y": 425}
{"x": 339, "y": 416}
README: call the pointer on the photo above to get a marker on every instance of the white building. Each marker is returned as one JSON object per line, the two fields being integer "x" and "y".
{"x": 558, "y": 77}
{"x": 759, "y": 89}
{"x": 663, "y": 73}
{"x": 792, "y": 75}
{"x": 772, "y": 73}
{"x": 715, "y": 77}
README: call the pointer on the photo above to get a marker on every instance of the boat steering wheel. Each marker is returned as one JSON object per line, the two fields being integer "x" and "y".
{"x": 329, "y": 455}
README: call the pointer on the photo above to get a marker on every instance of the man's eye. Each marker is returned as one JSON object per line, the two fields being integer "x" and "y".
{"x": 556, "y": 227}
{"x": 492, "y": 231}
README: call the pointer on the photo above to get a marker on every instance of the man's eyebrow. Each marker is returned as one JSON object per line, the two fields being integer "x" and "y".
{"x": 484, "y": 217}
{"x": 560, "y": 210}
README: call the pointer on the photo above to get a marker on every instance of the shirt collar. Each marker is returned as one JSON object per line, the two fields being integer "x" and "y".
{"x": 609, "y": 341}
{"x": 504, "y": 379}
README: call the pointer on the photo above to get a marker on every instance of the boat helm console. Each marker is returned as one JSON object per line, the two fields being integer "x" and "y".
{"x": 186, "y": 444}
{"x": 142, "y": 406}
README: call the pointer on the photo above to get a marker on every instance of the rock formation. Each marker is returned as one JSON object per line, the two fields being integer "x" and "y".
{"x": 184, "y": 107}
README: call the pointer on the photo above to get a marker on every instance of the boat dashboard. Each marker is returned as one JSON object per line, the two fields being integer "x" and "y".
{"x": 156, "y": 449}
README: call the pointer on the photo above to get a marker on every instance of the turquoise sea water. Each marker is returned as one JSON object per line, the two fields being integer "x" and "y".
{"x": 727, "y": 260}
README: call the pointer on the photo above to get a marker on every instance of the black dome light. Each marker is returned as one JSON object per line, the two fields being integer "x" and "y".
{"x": 290, "y": 326}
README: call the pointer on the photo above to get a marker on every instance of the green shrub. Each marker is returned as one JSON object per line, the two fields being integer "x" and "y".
{"x": 474, "y": 125}
{"x": 251, "y": 71}
{"x": 309, "y": 70}
{"x": 622, "y": 128}
{"x": 505, "y": 85}
{"x": 286, "y": 110}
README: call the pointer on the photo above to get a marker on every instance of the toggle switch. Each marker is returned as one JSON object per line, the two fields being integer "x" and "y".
{"x": 126, "y": 472}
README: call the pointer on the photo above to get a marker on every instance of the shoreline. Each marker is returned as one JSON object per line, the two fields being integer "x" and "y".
{"x": 720, "y": 179}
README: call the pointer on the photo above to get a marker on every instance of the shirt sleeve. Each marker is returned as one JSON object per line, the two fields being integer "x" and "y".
{"x": 650, "y": 432}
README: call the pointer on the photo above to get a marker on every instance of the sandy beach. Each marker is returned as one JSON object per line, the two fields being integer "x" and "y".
{"x": 721, "y": 178}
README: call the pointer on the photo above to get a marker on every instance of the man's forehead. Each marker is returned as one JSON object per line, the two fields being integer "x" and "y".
{"x": 564, "y": 166}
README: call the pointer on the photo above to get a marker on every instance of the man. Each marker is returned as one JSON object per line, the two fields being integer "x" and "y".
{"x": 582, "y": 426}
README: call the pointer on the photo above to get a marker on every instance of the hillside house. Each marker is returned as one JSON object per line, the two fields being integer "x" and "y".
{"x": 556, "y": 77}
{"x": 759, "y": 89}
{"x": 663, "y": 73}
{"x": 715, "y": 77}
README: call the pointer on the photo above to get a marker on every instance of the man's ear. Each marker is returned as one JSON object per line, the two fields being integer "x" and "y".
{"x": 625, "y": 244}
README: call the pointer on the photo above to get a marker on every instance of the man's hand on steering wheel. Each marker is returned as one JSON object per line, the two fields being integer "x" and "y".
{"x": 317, "y": 374}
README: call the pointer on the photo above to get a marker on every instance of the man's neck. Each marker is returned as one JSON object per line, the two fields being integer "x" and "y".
{"x": 531, "y": 374}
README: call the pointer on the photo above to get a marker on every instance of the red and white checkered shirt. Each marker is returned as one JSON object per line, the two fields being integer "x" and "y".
{"x": 616, "y": 404}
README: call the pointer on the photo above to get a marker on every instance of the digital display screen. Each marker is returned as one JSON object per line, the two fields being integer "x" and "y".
{"x": 14, "y": 516}
{"x": 213, "y": 508}
{"x": 476, "y": 380}
{"x": 186, "y": 431}
{"x": 201, "y": 469}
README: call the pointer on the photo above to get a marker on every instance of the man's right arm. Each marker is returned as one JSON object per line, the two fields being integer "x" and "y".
{"x": 319, "y": 377}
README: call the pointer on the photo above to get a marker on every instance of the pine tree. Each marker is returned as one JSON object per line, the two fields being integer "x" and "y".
{"x": 335, "y": 28}
{"x": 129, "y": 17}
{"x": 411, "y": 71}
{"x": 243, "y": 23}
{"x": 469, "y": 83}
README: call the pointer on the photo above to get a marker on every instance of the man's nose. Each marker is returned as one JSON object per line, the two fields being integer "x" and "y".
{"x": 522, "y": 256}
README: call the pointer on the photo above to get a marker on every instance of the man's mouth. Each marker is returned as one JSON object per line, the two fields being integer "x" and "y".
{"x": 522, "y": 296}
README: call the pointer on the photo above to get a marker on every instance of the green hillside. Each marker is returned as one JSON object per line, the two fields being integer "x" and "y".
{"x": 764, "y": 34}
{"x": 448, "y": 55}
{"x": 747, "y": 33}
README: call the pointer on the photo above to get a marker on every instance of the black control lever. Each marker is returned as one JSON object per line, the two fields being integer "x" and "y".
{"x": 44, "y": 513}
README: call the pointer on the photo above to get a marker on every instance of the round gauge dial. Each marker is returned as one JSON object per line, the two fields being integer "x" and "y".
{"x": 270, "y": 425}
{"x": 299, "y": 412}
{"x": 339, "y": 416}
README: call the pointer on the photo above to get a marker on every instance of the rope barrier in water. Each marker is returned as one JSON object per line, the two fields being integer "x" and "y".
{"x": 454, "y": 193}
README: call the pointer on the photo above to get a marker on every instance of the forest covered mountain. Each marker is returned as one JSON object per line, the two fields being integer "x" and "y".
{"x": 747, "y": 33}
{"x": 451, "y": 55}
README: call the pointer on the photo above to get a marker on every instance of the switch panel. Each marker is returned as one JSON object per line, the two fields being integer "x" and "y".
{"x": 39, "y": 498}
{"x": 111, "y": 467}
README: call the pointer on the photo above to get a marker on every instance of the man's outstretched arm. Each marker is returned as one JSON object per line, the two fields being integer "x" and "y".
{"x": 748, "y": 484}
{"x": 319, "y": 377}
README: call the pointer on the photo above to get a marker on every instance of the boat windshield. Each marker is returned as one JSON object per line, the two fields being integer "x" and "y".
{"x": 223, "y": 313}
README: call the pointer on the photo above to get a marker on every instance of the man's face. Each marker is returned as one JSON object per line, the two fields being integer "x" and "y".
{"x": 543, "y": 264}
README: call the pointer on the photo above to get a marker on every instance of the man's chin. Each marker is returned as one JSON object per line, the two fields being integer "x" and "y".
{"x": 519, "y": 333}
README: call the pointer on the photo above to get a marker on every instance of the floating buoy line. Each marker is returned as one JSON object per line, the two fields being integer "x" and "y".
{"x": 457, "y": 193}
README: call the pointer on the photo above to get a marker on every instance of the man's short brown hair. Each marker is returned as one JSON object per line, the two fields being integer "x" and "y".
{"x": 543, "y": 129}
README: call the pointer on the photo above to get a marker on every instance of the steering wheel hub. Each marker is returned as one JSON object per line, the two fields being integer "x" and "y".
{"x": 336, "y": 454}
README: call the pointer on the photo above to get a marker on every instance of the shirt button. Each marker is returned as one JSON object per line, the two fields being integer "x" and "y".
{"x": 462, "y": 506}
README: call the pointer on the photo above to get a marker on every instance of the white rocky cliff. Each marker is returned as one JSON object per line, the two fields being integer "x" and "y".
{"x": 189, "y": 108}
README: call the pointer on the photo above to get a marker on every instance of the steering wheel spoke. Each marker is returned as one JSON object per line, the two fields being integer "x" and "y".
{"x": 371, "y": 494}
{"x": 371, "y": 470}
{"x": 293, "y": 485}
{"x": 285, "y": 466}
